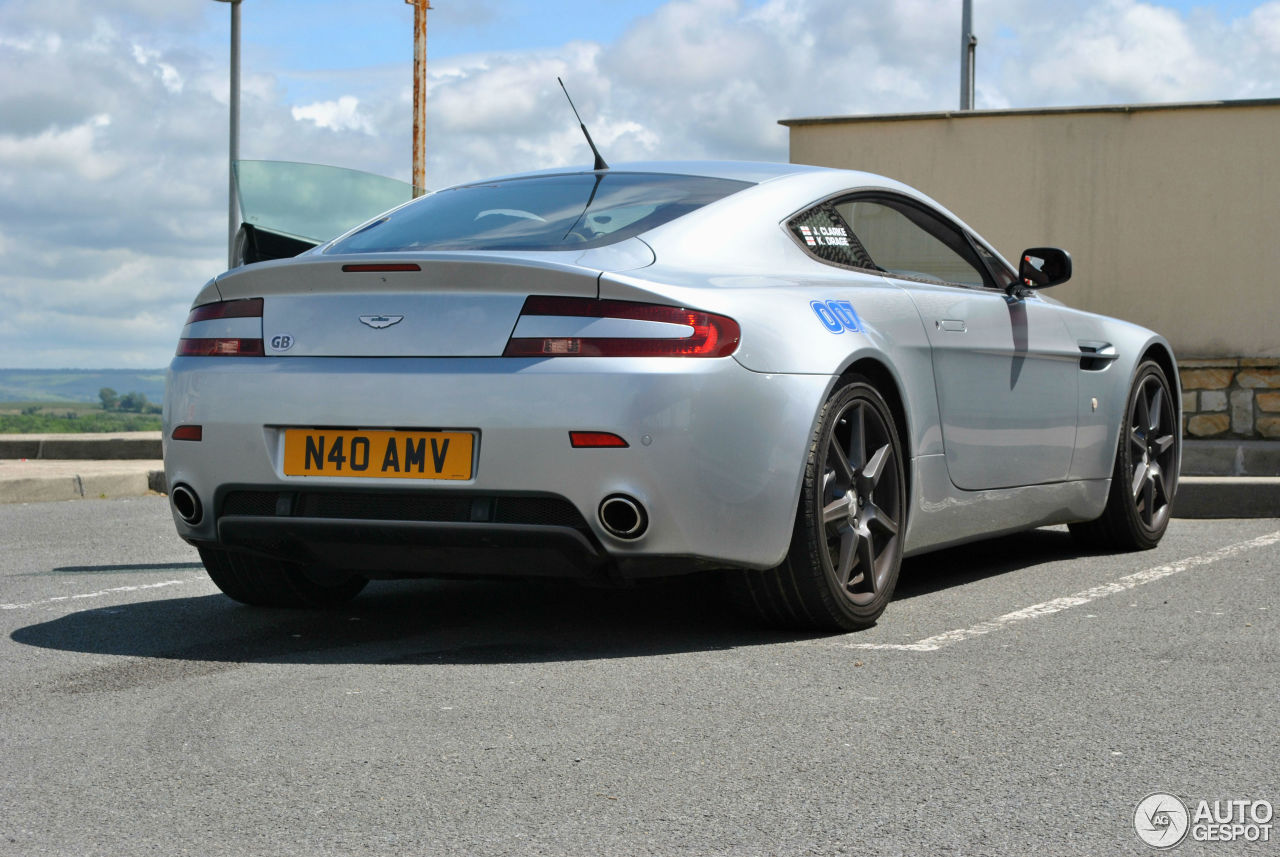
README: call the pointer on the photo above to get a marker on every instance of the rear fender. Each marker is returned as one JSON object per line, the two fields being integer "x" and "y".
{"x": 816, "y": 326}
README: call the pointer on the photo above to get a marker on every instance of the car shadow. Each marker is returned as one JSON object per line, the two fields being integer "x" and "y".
{"x": 128, "y": 567}
{"x": 487, "y": 622}
{"x": 422, "y": 622}
{"x": 945, "y": 569}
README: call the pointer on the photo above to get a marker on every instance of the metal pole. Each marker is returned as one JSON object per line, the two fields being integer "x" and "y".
{"x": 968, "y": 49}
{"x": 233, "y": 213}
{"x": 419, "y": 179}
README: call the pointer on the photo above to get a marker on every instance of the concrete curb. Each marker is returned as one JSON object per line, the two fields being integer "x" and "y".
{"x": 1230, "y": 458}
{"x": 44, "y": 481}
{"x": 37, "y": 468}
{"x": 122, "y": 446}
{"x": 1227, "y": 497}
{"x": 41, "y": 490}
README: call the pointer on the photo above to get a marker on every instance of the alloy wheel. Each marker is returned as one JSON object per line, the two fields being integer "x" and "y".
{"x": 1152, "y": 452}
{"x": 861, "y": 501}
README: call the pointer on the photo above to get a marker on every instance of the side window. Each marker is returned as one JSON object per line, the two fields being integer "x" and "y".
{"x": 825, "y": 235}
{"x": 907, "y": 241}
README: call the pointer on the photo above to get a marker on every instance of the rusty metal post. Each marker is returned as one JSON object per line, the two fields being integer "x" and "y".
{"x": 420, "y": 8}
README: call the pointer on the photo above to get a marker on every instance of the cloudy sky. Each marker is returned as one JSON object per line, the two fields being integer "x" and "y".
{"x": 113, "y": 115}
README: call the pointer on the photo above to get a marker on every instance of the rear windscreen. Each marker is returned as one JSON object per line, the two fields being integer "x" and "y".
{"x": 554, "y": 212}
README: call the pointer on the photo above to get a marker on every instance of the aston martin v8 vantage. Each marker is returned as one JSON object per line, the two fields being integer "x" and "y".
{"x": 795, "y": 374}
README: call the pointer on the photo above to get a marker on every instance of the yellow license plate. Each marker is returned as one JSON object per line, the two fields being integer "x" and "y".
{"x": 378, "y": 454}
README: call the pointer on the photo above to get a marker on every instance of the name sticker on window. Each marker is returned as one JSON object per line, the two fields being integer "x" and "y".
{"x": 824, "y": 236}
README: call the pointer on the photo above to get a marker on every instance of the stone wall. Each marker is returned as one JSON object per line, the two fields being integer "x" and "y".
{"x": 1231, "y": 398}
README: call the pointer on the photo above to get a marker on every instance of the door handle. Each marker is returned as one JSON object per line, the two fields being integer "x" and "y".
{"x": 955, "y": 325}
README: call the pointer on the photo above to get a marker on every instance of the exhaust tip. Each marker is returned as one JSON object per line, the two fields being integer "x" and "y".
{"x": 623, "y": 517}
{"x": 186, "y": 503}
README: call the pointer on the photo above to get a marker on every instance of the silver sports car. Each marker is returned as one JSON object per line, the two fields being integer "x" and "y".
{"x": 797, "y": 375}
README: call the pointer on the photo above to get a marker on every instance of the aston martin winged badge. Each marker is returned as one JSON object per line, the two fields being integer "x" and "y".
{"x": 377, "y": 322}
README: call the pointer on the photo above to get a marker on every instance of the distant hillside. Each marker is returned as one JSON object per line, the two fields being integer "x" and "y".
{"x": 77, "y": 385}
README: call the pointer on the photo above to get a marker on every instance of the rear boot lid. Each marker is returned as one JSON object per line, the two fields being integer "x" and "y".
{"x": 442, "y": 305}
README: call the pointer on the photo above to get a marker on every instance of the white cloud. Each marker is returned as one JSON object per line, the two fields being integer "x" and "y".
{"x": 96, "y": 309}
{"x": 47, "y": 43}
{"x": 169, "y": 76}
{"x": 1264, "y": 22}
{"x": 341, "y": 114}
{"x": 76, "y": 150}
{"x": 1130, "y": 51}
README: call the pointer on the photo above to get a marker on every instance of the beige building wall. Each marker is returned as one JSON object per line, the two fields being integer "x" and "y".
{"x": 1171, "y": 212}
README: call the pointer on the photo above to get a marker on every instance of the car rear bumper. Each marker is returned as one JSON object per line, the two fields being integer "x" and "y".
{"x": 715, "y": 456}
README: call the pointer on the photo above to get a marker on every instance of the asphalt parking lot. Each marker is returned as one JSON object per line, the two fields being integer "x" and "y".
{"x": 1018, "y": 696}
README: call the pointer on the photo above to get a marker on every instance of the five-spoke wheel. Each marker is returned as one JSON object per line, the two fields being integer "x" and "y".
{"x": 861, "y": 501}
{"x": 846, "y": 548}
{"x": 1152, "y": 451}
{"x": 1145, "y": 477}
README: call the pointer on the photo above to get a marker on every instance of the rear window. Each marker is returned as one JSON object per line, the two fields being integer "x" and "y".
{"x": 555, "y": 212}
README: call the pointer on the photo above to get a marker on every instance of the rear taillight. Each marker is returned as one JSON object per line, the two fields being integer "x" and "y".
{"x": 582, "y": 327}
{"x": 244, "y": 308}
{"x": 223, "y": 329}
{"x": 219, "y": 347}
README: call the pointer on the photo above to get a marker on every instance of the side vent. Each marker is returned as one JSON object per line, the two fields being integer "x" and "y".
{"x": 1096, "y": 356}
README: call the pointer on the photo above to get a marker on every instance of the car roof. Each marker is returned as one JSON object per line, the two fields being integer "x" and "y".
{"x": 747, "y": 171}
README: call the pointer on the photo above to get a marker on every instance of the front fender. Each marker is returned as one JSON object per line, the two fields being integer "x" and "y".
{"x": 1104, "y": 389}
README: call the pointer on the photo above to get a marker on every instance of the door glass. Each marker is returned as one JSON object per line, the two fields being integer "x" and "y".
{"x": 905, "y": 241}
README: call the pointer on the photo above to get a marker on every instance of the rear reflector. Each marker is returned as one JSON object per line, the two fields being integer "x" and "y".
{"x": 596, "y": 440}
{"x": 188, "y": 433}
{"x": 708, "y": 335}
{"x": 381, "y": 268}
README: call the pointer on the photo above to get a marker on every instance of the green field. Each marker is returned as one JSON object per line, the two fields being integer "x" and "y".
{"x": 70, "y": 417}
{"x": 70, "y": 401}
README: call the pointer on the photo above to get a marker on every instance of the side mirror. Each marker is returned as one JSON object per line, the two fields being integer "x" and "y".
{"x": 1042, "y": 267}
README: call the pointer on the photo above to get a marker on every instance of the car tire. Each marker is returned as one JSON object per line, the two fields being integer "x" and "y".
{"x": 1144, "y": 480}
{"x": 850, "y": 521}
{"x": 263, "y": 582}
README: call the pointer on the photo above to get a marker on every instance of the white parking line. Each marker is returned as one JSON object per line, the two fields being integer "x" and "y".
{"x": 1046, "y": 608}
{"x": 100, "y": 593}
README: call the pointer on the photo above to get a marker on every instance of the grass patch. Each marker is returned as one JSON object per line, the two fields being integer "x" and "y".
{"x": 70, "y": 418}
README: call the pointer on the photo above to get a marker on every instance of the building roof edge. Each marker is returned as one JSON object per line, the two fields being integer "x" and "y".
{"x": 1028, "y": 111}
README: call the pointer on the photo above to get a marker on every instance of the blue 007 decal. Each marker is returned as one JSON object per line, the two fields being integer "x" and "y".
{"x": 837, "y": 316}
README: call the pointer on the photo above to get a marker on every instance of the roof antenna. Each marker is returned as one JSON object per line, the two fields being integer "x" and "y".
{"x": 600, "y": 164}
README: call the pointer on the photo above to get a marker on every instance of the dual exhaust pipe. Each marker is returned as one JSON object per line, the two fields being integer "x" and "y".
{"x": 621, "y": 515}
{"x": 186, "y": 503}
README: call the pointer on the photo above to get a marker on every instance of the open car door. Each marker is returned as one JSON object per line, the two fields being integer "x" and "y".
{"x": 287, "y": 208}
